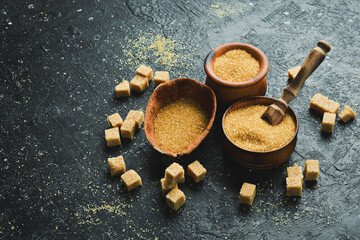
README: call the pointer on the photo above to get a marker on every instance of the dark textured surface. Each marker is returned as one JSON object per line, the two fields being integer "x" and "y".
{"x": 60, "y": 62}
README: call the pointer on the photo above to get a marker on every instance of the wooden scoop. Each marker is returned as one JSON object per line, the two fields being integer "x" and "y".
{"x": 276, "y": 111}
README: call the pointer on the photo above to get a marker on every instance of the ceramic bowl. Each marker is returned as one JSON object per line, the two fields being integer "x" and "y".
{"x": 228, "y": 92}
{"x": 254, "y": 159}
{"x": 171, "y": 91}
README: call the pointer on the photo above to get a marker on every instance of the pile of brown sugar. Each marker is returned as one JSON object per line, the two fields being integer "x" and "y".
{"x": 179, "y": 123}
{"x": 236, "y": 66}
{"x": 245, "y": 128}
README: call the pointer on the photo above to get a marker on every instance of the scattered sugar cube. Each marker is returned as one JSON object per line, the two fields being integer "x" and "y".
{"x": 112, "y": 137}
{"x": 115, "y": 120}
{"x": 321, "y": 104}
{"x": 131, "y": 180}
{"x": 295, "y": 171}
{"x": 293, "y": 186}
{"x": 128, "y": 129}
{"x": 293, "y": 72}
{"x": 145, "y": 71}
{"x": 196, "y": 171}
{"x": 312, "y": 170}
{"x": 175, "y": 199}
{"x": 133, "y": 121}
{"x": 139, "y": 83}
{"x": 347, "y": 114}
{"x": 116, "y": 166}
{"x": 137, "y": 116}
{"x": 247, "y": 193}
{"x": 122, "y": 89}
{"x": 161, "y": 77}
{"x": 328, "y": 122}
{"x": 174, "y": 174}
{"x": 167, "y": 187}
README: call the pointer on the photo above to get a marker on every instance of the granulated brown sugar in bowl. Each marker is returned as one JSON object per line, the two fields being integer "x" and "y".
{"x": 246, "y": 129}
{"x": 236, "y": 66}
{"x": 179, "y": 123}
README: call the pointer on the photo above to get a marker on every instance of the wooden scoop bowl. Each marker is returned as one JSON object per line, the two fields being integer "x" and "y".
{"x": 276, "y": 111}
{"x": 171, "y": 91}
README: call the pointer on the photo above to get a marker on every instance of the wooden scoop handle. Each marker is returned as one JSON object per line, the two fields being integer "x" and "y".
{"x": 276, "y": 111}
{"x": 314, "y": 59}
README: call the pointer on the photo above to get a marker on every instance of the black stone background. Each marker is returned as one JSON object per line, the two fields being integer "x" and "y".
{"x": 59, "y": 64}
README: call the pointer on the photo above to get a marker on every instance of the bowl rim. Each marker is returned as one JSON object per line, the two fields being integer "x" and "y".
{"x": 210, "y": 58}
{"x": 259, "y": 152}
{"x": 193, "y": 145}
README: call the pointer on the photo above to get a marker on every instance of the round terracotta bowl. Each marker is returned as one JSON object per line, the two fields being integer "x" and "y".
{"x": 228, "y": 92}
{"x": 171, "y": 91}
{"x": 255, "y": 159}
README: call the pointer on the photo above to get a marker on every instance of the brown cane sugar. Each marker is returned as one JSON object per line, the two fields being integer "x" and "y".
{"x": 112, "y": 137}
{"x": 246, "y": 129}
{"x": 293, "y": 72}
{"x": 328, "y": 122}
{"x": 196, "y": 171}
{"x": 247, "y": 193}
{"x": 145, "y": 71}
{"x": 161, "y": 77}
{"x": 175, "y": 174}
{"x": 236, "y": 66}
{"x": 175, "y": 199}
{"x": 131, "y": 179}
{"x": 322, "y": 104}
{"x": 115, "y": 120}
{"x": 167, "y": 187}
{"x": 347, "y": 114}
{"x": 116, "y": 166}
{"x": 295, "y": 171}
{"x": 179, "y": 123}
{"x": 293, "y": 186}
{"x": 312, "y": 170}
{"x": 122, "y": 89}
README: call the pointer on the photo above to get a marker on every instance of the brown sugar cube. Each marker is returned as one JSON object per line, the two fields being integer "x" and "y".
{"x": 166, "y": 187}
{"x": 347, "y": 114}
{"x": 131, "y": 180}
{"x": 321, "y": 104}
{"x": 139, "y": 83}
{"x": 115, "y": 120}
{"x": 295, "y": 171}
{"x": 128, "y": 129}
{"x": 133, "y": 121}
{"x": 247, "y": 193}
{"x": 145, "y": 71}
{"x": 116, "y": 166}
{"x": 161, "y": 77}
{"x": 137, "y": 117}
{"x": 112, "y": 137}
{"x": 293, "y": 72}
{"x": 196, "y": 171}
{"x": 175, "y": 199}
{"x": 122, "y": 89}
{"x": 328, "y": 122}
{"x": 174, "y": 174}
{"x": 293, "y": 186}
{"x": 312, "y": 170}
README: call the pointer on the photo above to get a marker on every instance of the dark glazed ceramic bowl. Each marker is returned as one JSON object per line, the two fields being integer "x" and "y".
{"x": 254, "y": 159}
{"x": 171, "y": 91}
{"x": 228, "y": 92}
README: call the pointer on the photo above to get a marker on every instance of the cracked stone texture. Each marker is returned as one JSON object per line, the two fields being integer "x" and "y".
{"x": 59, "y": 64}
